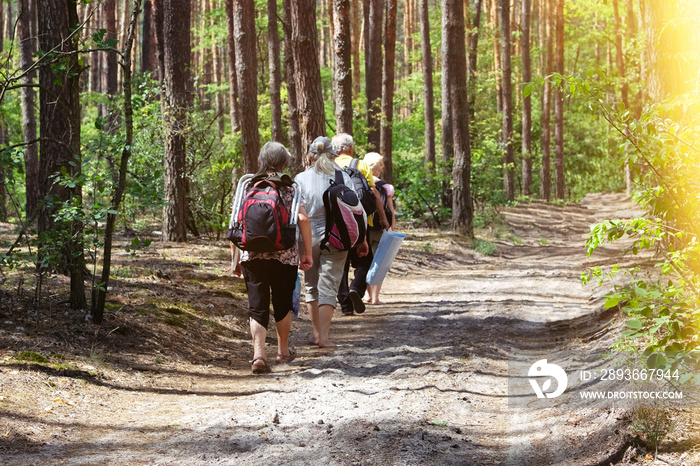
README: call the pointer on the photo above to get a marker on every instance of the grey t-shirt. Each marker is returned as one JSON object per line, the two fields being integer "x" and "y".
{"x": 312, "y": 186}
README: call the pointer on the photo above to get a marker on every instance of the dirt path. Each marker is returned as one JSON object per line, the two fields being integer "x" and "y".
{"x": 421, "y": 379}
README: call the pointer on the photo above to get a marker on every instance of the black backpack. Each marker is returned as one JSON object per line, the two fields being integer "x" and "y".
{"x": 262, "y": 222}
{"x": 346, "y": 221}
{"x": 364, "y": 193}
{"x": 376, "y": 220}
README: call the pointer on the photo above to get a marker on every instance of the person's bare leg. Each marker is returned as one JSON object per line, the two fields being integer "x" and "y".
{"x": 374, "y": 293}
{"x": 325, "y": 315}
{"x": 312, "y": 307}
{"x": 258, "y": 332}
{"x": 284, "y": 326}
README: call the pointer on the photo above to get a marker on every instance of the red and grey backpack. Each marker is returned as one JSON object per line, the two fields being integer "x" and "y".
{"x": 346, "y": 220}
{"x": 260, "y": 222}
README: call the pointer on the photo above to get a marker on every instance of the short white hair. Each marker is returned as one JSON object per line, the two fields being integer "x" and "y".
{"x": 343, "y": 142}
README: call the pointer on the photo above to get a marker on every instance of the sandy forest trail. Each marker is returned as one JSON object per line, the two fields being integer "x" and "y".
{"x": 420, "y": 379}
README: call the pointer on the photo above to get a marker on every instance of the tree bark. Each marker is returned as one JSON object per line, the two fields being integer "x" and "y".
{"x": 507, "y": 90}
{"x": 59, "y": 110}
{"x": 373, "y": 74}
{"x": 386, "y": 143}
{"x": 473, "y": 41}
{"x": 447, "y": 136}
{"x": 545, "y": 173}
{"x": 295, "y": 146}
{"x": 355, "y": 26}
{"x": 497, "y": 66}
{"x": 234, "y": 112}
{"x": 453, "y": 34}
{"x": 27, "y": 46}
{"x": 176, "y": 58}
{"x": 342, "y": 67}
{"x": 157, "y": 7}
{"x": 95, "y": 60}
{"x": 148, "y": 56}
{"x": 559, "y": 104}
{"x": 428, "y": 96}
{"x": 273, "y": 45}
{"x": 527, "y": 102}
{"x": 307, "y": 71}
{"x": 247, "y": 74}
{"x": 109, "y": 72}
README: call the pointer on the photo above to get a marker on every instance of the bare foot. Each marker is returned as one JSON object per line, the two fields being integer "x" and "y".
{"x": 313, "y": 340}
{"x": 327, "y": 344}
{"x": 377, "y": 302}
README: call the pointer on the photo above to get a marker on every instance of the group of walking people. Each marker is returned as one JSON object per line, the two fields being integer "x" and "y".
{"x": 272, "y": 276}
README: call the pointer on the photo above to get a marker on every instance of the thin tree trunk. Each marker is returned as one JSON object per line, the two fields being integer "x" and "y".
{"x": 147, "y": 50}
{"x": 177, "y": 60}
{"x": 307, "y": 71}
{"x": 273, "y": 44}
{"x": 559, "y": 104}
{"x": 109, "y": 74}
{"x": 27, "y": 46}
{"x": 428, "y": 97}
{"x": 507, "y": 90}
{"x": 447, "y": 136}
{"x": 545, "y": 173}
{"x": 453, "y": 34}
{"x": 234, "y": 112}
{"x": 246, "y": 71}
{"x": 294, "y": 133}
{"x": 373, "y": 74}
{"x": 624, "y": 88}
{"x": 95, "y": 76}
{"x": 157, "y": 6}
{"x": 527, "y": 103}
{"x": 473, "y": 41}
{"x": 342, "y": 73}
{"x": 497, "y": 65}
{"x": 385, "y": 144}
{"x": 216, "y": 57}
{"x": 207, "y": 66}
{"x": 355, "y": 26}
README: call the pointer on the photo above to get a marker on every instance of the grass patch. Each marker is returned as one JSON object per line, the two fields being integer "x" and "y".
{"x": 543, "y": 241}
{"x": 32, "y": 356}
{"x": 485, "y": 247}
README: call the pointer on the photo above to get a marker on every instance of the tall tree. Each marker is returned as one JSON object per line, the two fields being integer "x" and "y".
{"x": 234, "y": 112}
{"x": 385, "y": 144}
{"x": 507, "y": 90}
{"x": 473, "y": 42}
{"x": 453, "y": 35}
{"x": 273, "y": 46}
{"x": 148, "y": 55}
{"x": 246, "y": 71}
{"x": 428, "y": 97}
{"x": 27, "y": 46}
{"x": 497, "y": 48}
{"x": 218, "y": 64}
{"x": 59, "y": 110}
{"x": 307, "y": 71}
{"x": 342, "y": 69}
{"x": 95, "y": 75}
{"x": 158, "y": 11}
{"x": 545, "y": 173}
{"x": 624, "y": 86}
{"x": 109, "y": 71}
{"x": 176, "y": 102}
{"x": 373, "y": 72}
{"x": 355, "y": 27}
{"x": 527, "y": 103}
{"x": 447, "y": 136}
{"x": 294, "y": 133}
{"x": 559, "y": 104}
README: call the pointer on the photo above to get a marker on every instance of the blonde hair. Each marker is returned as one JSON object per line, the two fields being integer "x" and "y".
{"x": 375, "y": 162}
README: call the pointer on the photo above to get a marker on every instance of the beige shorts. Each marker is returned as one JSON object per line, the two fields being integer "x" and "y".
{"x": 323, "y": 278}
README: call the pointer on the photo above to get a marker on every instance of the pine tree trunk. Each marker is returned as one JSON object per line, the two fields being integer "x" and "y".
{"x": 559, "y": 104}
{"x": 342, "y": 69}
{"x": 453, "y": 35}
{"x": 473, "y": 41}
{"x": 355, "y": 26}
{"x": 527, "y": 103}
{"x": 497, "y": 65}
{"x": 147, "y": 49}
{"x": 295, "y": 146}
{"x": 59, "y": 110}
{"x": 234, "y": 112}
{"x": 447, "y": 136}
{"x": 428, "y": 96}
{"x": 507, "y": 90}
{"x": 545, "y": 173}
{"x": 273, "y": 44}
{"x": 207, "y": 68}
{"x": 247, "y": 74}
{"x": 373, "y": 74}
{"x": 386, "y": 136}
{"x": 307, "y": 71}
{"x": 217, "y": 62}
{"x": 157, "y": 7}
{"x": 109, "y": 72}
{"x": 176, "y": 60}
{"x": 95, "y": 59}
{"x": 27, "y": 46}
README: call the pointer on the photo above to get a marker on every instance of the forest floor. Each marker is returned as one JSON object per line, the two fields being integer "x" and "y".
{"x": 421, "y": 379}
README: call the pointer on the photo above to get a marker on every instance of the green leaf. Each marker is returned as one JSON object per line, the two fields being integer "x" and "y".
{"x": 634, "y": 324}
{"x": 656, "y": 361}
{"x": 612, "y": 302}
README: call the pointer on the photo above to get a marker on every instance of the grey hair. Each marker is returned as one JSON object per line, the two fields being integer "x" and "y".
{"x": 324, "y": 164}
{"x": 343, "y": 142}
{"x": 273, "y": 157}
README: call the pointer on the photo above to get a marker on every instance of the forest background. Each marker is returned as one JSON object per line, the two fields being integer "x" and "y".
{"x": 118, "y": 114}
